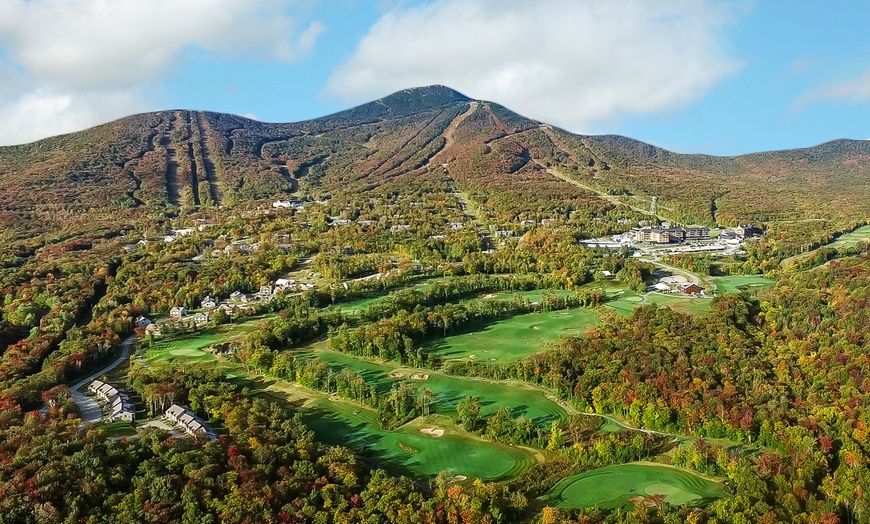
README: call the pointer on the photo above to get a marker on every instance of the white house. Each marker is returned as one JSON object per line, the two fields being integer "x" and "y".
{"x": 189, "y": 422}
{"x": 208, "y": 303}
{"x": 118, "y": 404}
{"x": 142, "y": 321}
{"x": 177, "y": 312}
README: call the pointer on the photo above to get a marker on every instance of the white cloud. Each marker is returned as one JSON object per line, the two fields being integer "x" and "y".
{"x": 83, "y": 61}
{"x": 571, "y": 63}
{"x": 46, "y": 111}
{"x": 855, "y": 90}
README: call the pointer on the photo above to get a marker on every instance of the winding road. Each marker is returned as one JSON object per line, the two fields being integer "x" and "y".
{"x": 90, "y": 410}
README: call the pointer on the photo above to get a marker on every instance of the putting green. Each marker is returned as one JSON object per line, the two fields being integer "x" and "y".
{"x": 623, "y": 300}
{"x": 530, "y": 403}
{"x": 342, "y": 423}
{"x": 613, "y": 486}
{"x": 514, "y": 338}
{"x": 734, "y": 284}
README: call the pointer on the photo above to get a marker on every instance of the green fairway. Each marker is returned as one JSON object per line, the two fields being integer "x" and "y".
{"x": 342, "y": 423}
{"x": 623, "y": 300}
{"x": 189, "y": 348}
{"x": 514, "y": 338}
{"x": 687, "y": 305}
{"x": 849, "y": 240}
{"x": 735, "y": 284}
{"x": 613, "y": 486}
{"x": 530, "y": 403}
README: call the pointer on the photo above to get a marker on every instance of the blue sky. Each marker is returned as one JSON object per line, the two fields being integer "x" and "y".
{"x": 694, "y": 76}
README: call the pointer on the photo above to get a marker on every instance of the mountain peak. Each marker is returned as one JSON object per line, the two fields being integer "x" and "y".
{"x": 421, "y": 98}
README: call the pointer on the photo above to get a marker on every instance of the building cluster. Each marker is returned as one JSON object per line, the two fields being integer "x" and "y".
{"x": 736, "y": 235}
{"x": 671, "y": 235}
{"x": 189, "y": 422}
{"x": 118, "y": 405}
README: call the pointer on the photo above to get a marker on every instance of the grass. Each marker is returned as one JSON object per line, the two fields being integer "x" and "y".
{"x": 687, "y": 305}
{"x": 514, "y": 338}
{"x": 612, "y": 487}
{"x": 523, "y": 401}
{"x": 622, "y": 300}
{"x": 343, "y": 423}
{"x": 862, "y": 234}
{"x": 189, "y": 348}
{"x": 119, "y": 429}
{"x": 735, "y": 284}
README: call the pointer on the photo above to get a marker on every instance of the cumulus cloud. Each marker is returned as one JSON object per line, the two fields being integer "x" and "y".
{"x": 568, "y": 62}
{"x": 81, "y": 62}
{"x": 855, "y": 90}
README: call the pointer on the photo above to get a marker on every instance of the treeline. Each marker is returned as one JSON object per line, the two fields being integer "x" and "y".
{"x": 399, "y": 337}
{"x": 449, "y": 290}
{"x": 401, "y": 404}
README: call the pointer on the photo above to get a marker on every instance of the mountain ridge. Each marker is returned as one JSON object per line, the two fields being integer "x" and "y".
{"x": 182, "y": 158}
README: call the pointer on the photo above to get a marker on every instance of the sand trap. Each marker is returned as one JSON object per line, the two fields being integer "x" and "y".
{"x": 492, "y": 360}
{"x": 418, "y": 376}
{"x": 396, "y": 374}
{"x": 457, "y": 478}
{"x": 472, "y": 357}
{"x": 536, "y": 328}
{"x": 489, "y": 296}
{"x": 432, "y": 432}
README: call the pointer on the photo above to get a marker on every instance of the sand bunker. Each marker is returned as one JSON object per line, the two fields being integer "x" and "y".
{"x": 396, "y": 374}
{"x": 418, "y": 376}
{"x": 457, "y": 478}
{"x": 536, "y": 328}
{"x": 489, "y": 296}
{"x": 472, "y": 357}
{"x": 432, "y": 432}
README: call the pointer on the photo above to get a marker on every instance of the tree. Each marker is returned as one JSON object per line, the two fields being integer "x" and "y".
{"x": 468, "y": 412}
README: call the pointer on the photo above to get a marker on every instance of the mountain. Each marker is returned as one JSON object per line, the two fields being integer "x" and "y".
{"x": 185, "y": 159}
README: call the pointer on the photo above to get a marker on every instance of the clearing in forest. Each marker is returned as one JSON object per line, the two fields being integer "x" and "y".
{"x": 614, "y": 486}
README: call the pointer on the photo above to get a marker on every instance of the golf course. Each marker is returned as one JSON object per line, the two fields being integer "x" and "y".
{"x": 343, "y": 423}
{"x": 514, "y": 338}
{"x": 737, "y": 283}
{"x": 614, "y": 487}
{"x": 523, "y": 401}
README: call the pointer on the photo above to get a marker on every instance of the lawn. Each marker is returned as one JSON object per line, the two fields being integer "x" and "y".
{"x": 118, "y": 429}
{"x": 735, "y": 284}
{"x": 623, "y": 300}
{"x": 189, "y": 348}
{"x": 613, "y": 486}
{"x": 681, "y": 304}
{"x": 514, "y": 338}
{"x": 343, "y": 423}
{"x": 449, "y": 390}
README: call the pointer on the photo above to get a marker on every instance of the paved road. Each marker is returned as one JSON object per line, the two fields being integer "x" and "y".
{"x": 693, "y": 278}
{"x": 91, "y": 411}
